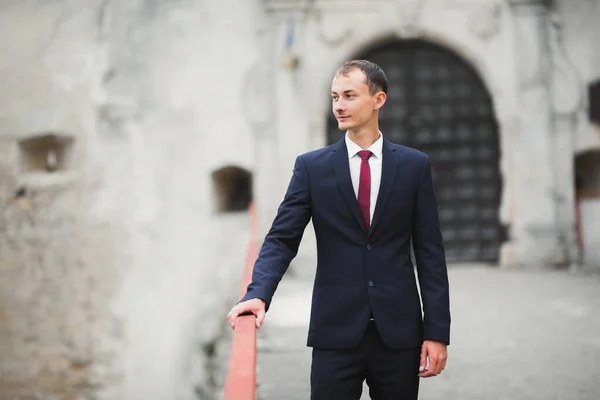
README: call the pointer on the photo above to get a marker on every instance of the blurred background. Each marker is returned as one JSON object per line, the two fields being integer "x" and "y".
{"x": 135, "y": 135}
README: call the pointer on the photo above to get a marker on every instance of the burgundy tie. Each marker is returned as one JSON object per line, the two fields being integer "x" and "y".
{"x": 364, "y": 187}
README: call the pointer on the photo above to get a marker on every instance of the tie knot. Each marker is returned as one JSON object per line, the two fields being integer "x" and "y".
{"x": 365, "y": 154}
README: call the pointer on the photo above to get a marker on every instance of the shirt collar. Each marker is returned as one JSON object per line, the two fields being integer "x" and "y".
{"x": 376, "y": 148}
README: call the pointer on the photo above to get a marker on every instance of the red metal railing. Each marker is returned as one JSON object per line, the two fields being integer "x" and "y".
{"x": 240, "y": 383}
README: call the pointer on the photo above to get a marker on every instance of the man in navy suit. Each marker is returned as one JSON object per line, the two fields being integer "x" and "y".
{"x": 368, "y": 199}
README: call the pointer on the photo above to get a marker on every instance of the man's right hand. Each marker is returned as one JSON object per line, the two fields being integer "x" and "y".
{"x": 254, "y": 306}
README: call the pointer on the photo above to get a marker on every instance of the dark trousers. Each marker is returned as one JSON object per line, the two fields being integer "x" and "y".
{"x": 390, "y": 374}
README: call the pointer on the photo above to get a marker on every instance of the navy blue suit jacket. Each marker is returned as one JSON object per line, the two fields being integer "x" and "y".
{"x": 362, "y": 273}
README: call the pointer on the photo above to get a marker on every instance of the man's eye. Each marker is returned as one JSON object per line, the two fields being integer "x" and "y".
{"x": 350, "y": 96}
{"x": 334, "y": 98}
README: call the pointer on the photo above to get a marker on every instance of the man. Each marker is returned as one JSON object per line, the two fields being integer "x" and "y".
{"x": 368, "y": 198}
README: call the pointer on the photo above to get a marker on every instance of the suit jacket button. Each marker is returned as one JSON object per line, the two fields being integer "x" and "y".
{"x": 371, "y": 284}
{"x": 368, "y": 247}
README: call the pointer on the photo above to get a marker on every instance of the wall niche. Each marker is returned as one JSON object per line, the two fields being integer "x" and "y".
{"x": 46, "y": 153}
{"x": 233, "y": 188}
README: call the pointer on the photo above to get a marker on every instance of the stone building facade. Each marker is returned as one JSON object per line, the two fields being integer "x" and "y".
{"x": 129, "y": 129}
{"x": 528, "y": 64}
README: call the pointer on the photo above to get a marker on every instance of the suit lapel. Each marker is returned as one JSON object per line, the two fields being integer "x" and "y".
{"x": 388, "y": 175}
{"x": 341, "y": 167}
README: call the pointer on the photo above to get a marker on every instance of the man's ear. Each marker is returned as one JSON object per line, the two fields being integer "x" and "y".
{"x": 380, "y": 99}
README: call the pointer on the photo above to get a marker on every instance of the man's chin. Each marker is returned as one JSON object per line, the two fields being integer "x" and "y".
{"x": 344, "y": 126}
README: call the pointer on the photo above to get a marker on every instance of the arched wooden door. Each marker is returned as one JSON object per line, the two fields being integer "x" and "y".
{"x": 438, "y": 104}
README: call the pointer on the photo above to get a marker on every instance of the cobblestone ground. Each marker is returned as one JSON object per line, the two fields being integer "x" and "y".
{"x": 516, "y": 334}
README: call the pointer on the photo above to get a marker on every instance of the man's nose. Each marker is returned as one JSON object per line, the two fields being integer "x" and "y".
{"x": 338, "y": 106}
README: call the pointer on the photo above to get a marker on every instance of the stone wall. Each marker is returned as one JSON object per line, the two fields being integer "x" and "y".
{"x": 60, "y": 255}
{"x": 115, "y": 271}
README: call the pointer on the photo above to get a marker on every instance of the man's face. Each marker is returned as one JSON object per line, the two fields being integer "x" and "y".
{"x": 353, "y": 105}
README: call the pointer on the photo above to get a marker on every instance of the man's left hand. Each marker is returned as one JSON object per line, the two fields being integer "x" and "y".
{"x": 437, "y": 354}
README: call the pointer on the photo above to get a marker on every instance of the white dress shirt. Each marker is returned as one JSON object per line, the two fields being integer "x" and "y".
{"x": 374, "y": 163}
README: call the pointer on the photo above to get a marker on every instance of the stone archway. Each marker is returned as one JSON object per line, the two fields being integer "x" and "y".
{"x": 437, "y": 103}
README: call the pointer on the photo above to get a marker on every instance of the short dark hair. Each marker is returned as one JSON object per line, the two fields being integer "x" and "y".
{"x": 375, "y": 77}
